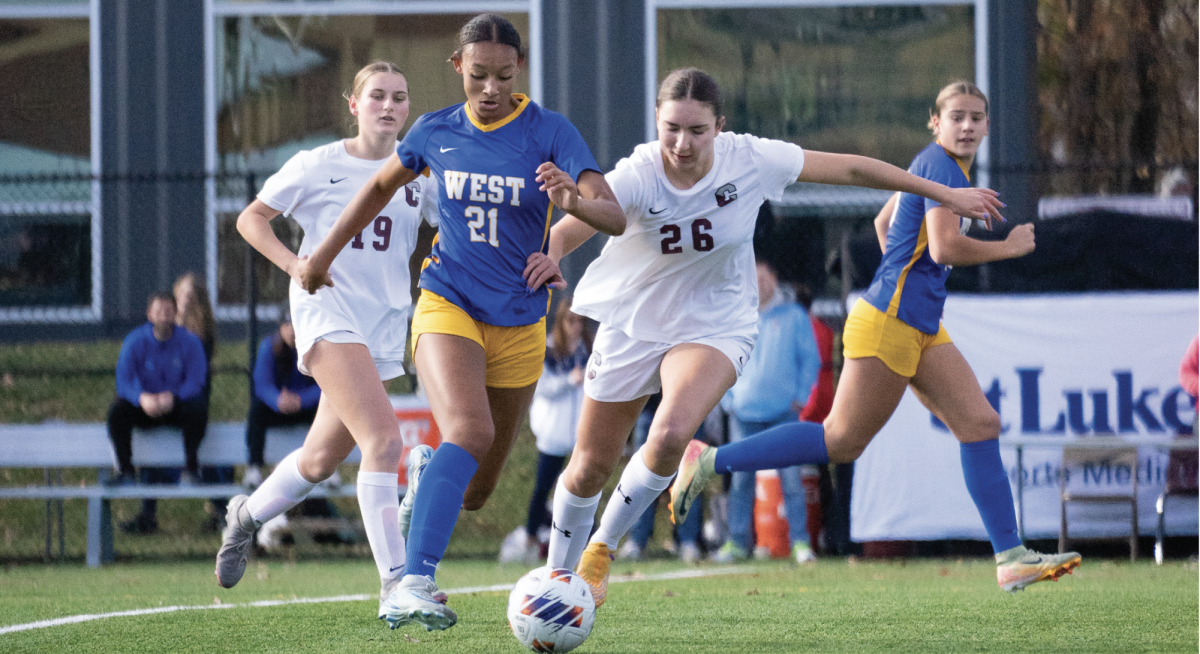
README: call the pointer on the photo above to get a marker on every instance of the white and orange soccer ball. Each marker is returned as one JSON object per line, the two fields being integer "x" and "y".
{"x": 551, "y": 610}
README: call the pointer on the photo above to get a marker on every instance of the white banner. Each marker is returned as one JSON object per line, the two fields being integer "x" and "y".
{"x": 1053, "y": 365}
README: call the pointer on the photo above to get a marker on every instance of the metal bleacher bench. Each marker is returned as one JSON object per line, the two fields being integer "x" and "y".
{"x": 86, "y": 445}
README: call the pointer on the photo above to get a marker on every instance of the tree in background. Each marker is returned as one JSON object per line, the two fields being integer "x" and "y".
{"x": 1118, "y": 93}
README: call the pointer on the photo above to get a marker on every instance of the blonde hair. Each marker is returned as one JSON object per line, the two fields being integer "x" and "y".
{"x": 360, "y": 82}
{"x": 954, "y": 89}
{"x": 365, "y": 73}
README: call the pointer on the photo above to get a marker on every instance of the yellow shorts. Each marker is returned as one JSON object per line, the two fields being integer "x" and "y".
{"x": 515, "y": 355}
{"x": 870, "y": 332}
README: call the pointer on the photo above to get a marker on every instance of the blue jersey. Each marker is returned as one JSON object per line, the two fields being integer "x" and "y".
{"x": 492, "y": 215}
{"x": 148, "y": 365}
{"x": 909, "y": 284}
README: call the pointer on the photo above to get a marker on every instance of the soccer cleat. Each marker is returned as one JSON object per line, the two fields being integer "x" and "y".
{"x": 391, "y": 586}
{"x": 593, "y": 568}
{"x": 695, "y": 470}
{"x": 415, "y": 600}
{"x": 235, "y": 546}
{"x": 418, "y": 458}
{"x": 517, "y": 548}
{"x": 1018, "y": 567}
{"x": 730, "y": 552}
{"x": 802, "y": 552}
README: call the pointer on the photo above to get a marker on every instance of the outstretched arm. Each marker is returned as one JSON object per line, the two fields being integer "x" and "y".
{"x": 853, "y": 170}
{"x": 949, "y": 247}
{"x": 363, "y": 208}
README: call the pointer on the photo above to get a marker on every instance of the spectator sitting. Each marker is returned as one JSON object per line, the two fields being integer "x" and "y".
{"x": 282, "y": 395}
{"x": 553, "y": 415}
{"x": 194, "y": 313}
{"x": 160, "y": 381}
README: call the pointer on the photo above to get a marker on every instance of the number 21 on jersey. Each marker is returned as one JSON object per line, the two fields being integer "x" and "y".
{"x": 484, "y": 189}
{"x": 478, "y": 218}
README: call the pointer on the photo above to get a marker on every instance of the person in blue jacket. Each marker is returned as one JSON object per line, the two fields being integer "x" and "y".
{"x": 282, "y": 395}
{"x": 160, "y": 381}
{"x": 772, "y": 390}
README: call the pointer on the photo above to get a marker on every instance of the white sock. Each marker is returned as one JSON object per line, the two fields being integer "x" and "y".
{"x": 636, "y": 491}
{"x": 379, "y": 502}
{"x": 572, "y": 524}
{"x": 284, "y": 488}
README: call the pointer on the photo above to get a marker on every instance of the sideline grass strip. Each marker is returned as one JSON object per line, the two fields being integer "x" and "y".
{"x": 75, "y": 619}
{"x": 833, "y": 606}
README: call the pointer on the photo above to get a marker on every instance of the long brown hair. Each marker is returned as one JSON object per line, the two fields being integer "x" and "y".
{"x": 558, "y": 332}
{"x": 197, "y": 315}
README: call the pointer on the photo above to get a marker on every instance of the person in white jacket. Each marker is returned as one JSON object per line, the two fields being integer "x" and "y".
{"x": 553, "y": 416}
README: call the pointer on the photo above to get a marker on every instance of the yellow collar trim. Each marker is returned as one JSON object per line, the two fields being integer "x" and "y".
{"x": 523, "y": 101}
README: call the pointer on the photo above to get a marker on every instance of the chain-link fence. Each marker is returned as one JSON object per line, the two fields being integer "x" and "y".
{"x": 52, "y": 239}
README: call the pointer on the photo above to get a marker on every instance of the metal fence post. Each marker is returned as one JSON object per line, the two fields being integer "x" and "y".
{"x": 251, "y": 298}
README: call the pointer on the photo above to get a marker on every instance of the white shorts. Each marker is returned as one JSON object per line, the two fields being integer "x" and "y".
{"x": 623, "y": 368}
{"x": 388, "y": 368}
{"x": 326, "y": 317}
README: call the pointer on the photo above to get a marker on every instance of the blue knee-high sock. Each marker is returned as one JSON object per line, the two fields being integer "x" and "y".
{"x": 988, "y": 485}
{"x": 436, "y": 507}
{"x": 793, "y": 444}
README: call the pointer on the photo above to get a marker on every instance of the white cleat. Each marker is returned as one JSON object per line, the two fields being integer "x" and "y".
{"x": 418, "y": 458}
{"x": 391, "y": 586}
{"x": 415, "y": 601}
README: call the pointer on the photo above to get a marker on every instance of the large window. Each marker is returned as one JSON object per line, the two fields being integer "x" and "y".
{"x": 278, "y": 87}
{"x": 842, "y": 79}
{"x": 47, "y": 235}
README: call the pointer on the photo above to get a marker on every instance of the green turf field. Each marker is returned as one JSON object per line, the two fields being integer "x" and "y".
{"x": 833, "y": 606}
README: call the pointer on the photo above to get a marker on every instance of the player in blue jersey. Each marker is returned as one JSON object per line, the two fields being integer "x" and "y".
{"x": 894, "y": 340}
{"x": 478, "y": 333}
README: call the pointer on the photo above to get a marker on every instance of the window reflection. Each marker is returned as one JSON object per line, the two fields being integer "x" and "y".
{"x": 850, "y": 79}
{"x": 280, "y": 82}
{"x": 45, "y": 163}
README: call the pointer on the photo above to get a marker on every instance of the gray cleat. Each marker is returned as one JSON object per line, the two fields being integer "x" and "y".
{"x": 235, "y": 546}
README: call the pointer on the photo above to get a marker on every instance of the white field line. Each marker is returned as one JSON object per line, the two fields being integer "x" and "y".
{"x": 88, "y": 617}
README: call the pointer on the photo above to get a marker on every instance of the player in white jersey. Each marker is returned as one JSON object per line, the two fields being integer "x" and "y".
{"x": 350, "y": 334}
{"x": 677, "y": 297}
{"x": 371, "y": 300}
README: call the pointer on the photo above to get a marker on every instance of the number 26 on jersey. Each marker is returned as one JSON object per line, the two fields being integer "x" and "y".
{"x": 702, "y": 240}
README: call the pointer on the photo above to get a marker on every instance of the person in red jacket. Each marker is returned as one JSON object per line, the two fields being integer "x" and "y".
{"x": 1189, "y": 374}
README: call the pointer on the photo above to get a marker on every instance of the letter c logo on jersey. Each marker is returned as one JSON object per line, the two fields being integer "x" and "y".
{"x": 726, "y": 194}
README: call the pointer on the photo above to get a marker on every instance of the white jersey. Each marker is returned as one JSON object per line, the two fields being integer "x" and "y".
{"x": 684, "y": 268}
{"x": 371, "y": 298}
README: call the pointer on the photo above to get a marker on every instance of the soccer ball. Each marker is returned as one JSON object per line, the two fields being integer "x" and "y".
{"x": 551, "y": 610}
